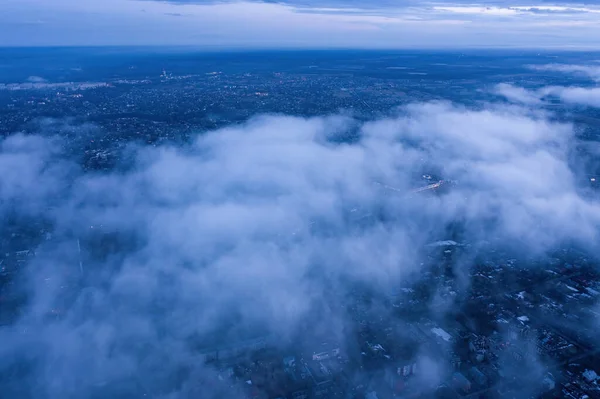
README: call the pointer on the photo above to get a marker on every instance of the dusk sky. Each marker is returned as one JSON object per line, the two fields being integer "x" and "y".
{"x": 301, "y": 23}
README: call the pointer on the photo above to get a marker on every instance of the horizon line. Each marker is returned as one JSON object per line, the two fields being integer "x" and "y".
{"x": 235, "y": 48}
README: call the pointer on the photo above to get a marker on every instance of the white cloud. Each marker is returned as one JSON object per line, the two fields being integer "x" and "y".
{"x": 338, "y": 24}
{"x": 556, "y": 9}
{"x": 518, "y": 94}
{"x": 589, "y": 97}
{"x": 583, "y": 96}
{"x": 576, "y": 95}
{"x": 250, "y": 228}
{"x": 591, "y": 71}
{"x": 477, "y": 10}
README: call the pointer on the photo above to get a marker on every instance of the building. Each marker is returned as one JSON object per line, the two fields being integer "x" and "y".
{"x": 460, "y": 382}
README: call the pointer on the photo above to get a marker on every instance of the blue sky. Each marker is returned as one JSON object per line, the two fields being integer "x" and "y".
{"x": 301, "y": 23}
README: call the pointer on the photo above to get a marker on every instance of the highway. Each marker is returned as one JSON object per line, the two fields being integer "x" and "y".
{"x": 432, "y": 186}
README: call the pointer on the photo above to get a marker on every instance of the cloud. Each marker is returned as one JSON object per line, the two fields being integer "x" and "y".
{"x": 380, "y": 24}
{"x": 262, "y": 229}
{"x": 424, "y": 8}
{"x": 518, "y": 94}
{"x": 487, "y": 7}
{"x": 554, "y": 9}
{"x": 36, "y": 79}
{"x": 591, "y": 71}
{"x": 584, "y": 96}
{"x": 550, "y": 5}
{"x": 23, "y": 161}
{"x": 576, "y": 95}
{"x": 589, "y": 97}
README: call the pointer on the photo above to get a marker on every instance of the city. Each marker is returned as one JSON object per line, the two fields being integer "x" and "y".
{"x": 298, "y": 225}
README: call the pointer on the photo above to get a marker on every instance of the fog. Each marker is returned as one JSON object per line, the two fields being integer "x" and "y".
{"x": 262, "y": 229}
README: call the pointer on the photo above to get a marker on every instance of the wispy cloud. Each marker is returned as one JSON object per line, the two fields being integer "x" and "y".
{"x": 592, "y": 71}
{"x": 302, "y": 23}
{"x": 583, "y": 96}
{"x": 518, "y": 94}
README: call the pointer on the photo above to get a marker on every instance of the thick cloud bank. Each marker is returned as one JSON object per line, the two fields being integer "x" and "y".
{"x": 257, "y": 228}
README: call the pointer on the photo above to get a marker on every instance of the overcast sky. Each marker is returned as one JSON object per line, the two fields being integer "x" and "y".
{"x": 301, "y": 23}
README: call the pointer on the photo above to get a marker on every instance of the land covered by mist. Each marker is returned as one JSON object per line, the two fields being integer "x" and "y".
{"x": 272, "y": 229}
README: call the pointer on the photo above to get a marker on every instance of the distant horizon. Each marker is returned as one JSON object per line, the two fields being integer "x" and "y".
{"x": 237, "y": 49}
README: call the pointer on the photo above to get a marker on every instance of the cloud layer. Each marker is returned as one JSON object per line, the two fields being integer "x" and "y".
{"x": 300, "y": 23}
{"x": 259, "y": 228}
